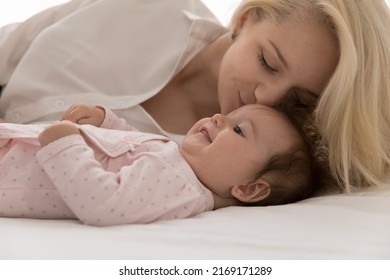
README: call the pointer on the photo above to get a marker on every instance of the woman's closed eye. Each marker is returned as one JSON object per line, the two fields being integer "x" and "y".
{"x": 307, "y": 101}
{"x": 265, "y": 65}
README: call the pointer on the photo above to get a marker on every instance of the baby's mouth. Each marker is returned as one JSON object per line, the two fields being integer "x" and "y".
{"x": 204, "y": 131}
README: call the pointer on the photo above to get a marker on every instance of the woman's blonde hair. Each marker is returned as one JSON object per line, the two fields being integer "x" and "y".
{"x": 353, "y": 112}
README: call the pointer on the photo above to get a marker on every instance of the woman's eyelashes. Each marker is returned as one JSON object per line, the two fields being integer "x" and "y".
{"x": 265, "y": 64}
{"x": 308, "y": 100}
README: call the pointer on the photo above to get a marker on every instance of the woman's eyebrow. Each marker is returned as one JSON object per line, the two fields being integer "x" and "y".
{"x": 279, "y": 54}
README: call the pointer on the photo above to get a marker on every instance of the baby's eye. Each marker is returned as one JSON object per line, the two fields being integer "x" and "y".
{"x": 237, "y": 129}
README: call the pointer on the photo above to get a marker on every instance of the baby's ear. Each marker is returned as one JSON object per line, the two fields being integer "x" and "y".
{"x": 252, "y": 192}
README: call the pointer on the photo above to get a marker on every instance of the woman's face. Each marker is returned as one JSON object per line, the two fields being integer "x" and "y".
{"x": 266, "y": 63}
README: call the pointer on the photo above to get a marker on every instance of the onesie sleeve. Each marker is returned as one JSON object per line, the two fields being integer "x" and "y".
{"x": 102, "y": 198}
{"x": 15, "y": 39}
{"x": 112, "y": 121}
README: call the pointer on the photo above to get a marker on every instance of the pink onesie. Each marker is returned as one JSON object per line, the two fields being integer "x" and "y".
{"x": 102, "y": 177}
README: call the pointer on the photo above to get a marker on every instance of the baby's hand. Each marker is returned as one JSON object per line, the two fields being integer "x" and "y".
{"x": 84, "y": 114}
{"x": 57, "y": 131}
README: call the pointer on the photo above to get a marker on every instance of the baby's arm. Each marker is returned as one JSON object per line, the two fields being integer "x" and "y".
{"x": 95, "y": 115}
{"x": 101, "y": 197}
{"x": 79, "y": 114}
{"x": 57, "y": 131}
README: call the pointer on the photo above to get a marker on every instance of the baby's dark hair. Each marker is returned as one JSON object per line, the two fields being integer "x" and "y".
{"x": 294, "y": 175}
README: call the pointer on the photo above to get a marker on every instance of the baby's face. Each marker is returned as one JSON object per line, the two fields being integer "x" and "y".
{"x": 230, "y": 150}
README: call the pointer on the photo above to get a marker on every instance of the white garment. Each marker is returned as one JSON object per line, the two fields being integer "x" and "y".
{"x": 115, "y": 53}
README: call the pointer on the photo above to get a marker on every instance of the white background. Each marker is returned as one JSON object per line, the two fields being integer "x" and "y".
{"x": 18, "y": 10}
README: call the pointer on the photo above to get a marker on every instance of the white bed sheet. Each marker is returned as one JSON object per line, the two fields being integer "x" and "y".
{"x": 330, "y": 227}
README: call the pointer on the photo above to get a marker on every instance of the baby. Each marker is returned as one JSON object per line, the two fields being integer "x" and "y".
{"x": 91, "y": 166}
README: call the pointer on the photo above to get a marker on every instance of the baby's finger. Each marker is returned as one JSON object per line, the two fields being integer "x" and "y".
{"x": 67, "y": 113}
{"x": 77, "y": 113}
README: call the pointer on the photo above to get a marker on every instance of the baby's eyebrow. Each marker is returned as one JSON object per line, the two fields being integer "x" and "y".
{"x": 253, "y": 128}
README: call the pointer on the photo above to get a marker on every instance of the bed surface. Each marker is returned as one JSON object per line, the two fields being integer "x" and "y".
{"x": 335, "y": 226}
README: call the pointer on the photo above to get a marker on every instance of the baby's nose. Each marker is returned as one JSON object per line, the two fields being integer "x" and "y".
{"x": 218, "y": 120}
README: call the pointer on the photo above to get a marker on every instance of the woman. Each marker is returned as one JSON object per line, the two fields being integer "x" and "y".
{"x": 161, "y": 63}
